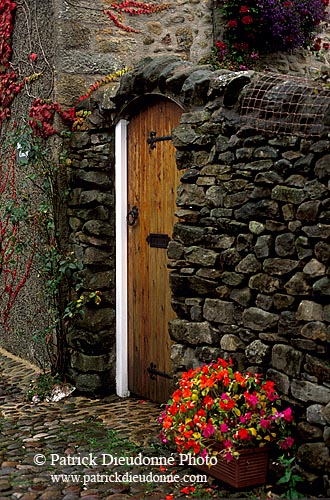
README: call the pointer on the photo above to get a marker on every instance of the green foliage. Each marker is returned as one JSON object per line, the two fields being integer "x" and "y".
{"x": 41, "y": 387}
{"x": 290, "y": 478}
{"x": 35, "y": 206}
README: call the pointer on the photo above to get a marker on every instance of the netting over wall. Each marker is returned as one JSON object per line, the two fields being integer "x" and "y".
{"x": 286, "y": 104}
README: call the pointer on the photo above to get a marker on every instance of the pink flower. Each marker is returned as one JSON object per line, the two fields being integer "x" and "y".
{"x": 270, "y": 395}
{"x": 208, "y": 431}
{"x": 33, "y": 56}
{"x": 255, "y": 55}
{"x": 229, "y": 456}
{"x": 251, "y": 399}
{"x": 287, "y": 443}
{"x": 227, "y": 443}
{"x": 224, "y": 428}
{"x": 264, "y": 423}
{"x": 287, "y": 415}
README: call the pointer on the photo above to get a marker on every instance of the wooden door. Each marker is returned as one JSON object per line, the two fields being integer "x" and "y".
{"x": 152, "y": 182}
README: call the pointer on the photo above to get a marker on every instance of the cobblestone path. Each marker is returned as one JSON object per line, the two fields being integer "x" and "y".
{"x": 66, "y": 450}
{"x": 72, "y": 449}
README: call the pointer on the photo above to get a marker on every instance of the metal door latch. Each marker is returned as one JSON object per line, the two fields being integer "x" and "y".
{"x": 158, "y": 240}
{"x": 152, "y": 139}
{"x": 132, "y": 216}
{"x": 153, "y": 373}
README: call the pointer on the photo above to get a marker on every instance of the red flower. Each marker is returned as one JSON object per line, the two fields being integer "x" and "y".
{"x": 221, "y": 45}
{"x": 239, "y": 378}
{"x": 243, "y": 434}
{"x": 208, "y": 401}
{"x": 187, "y": 490}
{"x": 244, "y": 9}
{"x": 33, "y": 57}
{"x": 186, "y": 393}
{"x": 176, "y": 395}
{"x": 232, "y": 23}
{"x": 207, "y": 381}
{"x": 227, "y": 404}
{"x": 247, "y": 20}
{"x": 167, "y": 422}
{"x": 173, "y": 410}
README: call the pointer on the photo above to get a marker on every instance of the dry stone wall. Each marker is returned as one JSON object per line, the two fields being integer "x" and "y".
{"x": 92, "y": 237}
{"x": 250, "y": 262}
{"x": 249, "y": 256}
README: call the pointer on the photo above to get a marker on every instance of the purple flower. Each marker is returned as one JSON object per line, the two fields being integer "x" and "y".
{"x": 208, "y": 431}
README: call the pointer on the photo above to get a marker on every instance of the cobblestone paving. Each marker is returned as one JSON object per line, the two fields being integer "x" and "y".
{"x": 84, "y": 431}
{"x": 64, "y": 450}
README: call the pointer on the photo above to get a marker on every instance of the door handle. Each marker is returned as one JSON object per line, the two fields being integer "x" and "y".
{"x": 132, "y": 216}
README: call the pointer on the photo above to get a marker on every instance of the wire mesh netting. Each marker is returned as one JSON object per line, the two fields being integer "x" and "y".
{"x": 277, "y": 103}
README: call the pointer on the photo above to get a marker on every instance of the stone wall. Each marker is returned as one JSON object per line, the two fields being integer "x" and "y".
{"x": 250, "y": 260}
{"x": 250, "y": 252}
{"x": 91, "y": 221}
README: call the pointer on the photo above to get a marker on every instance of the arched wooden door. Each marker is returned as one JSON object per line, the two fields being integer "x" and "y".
{"x": 152, "y": 182}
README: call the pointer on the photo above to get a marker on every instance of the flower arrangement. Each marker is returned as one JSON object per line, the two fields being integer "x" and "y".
{"x": 255, "y": 27}
{"x": 216, "y": 403}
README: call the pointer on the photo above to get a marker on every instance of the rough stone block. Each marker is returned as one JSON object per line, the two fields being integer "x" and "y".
{"x": 85, "y": 363}
{"x": 231, "y": 343}
{"x": 279, "y": 266}
{"x": 191, "y": 333}
{"x": 288, "y": 194}
{"x": 287, "y": 359}
{"x": 318, "y": 367}
{"x": 248, "y": 265}
{"x": 219, "y": 311}
{"x": 257, "y": 352}
{"x": 314, "y": 414}
{"x": 314, "y": 330}
{"x": 308, "y": 391}
{"x": 282, "y": 381}
{"x": 309, "y": 310}
{"x": 258, "y": 319}
{"x": 313, "y": 455}
{"x": 201, "y": 256}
